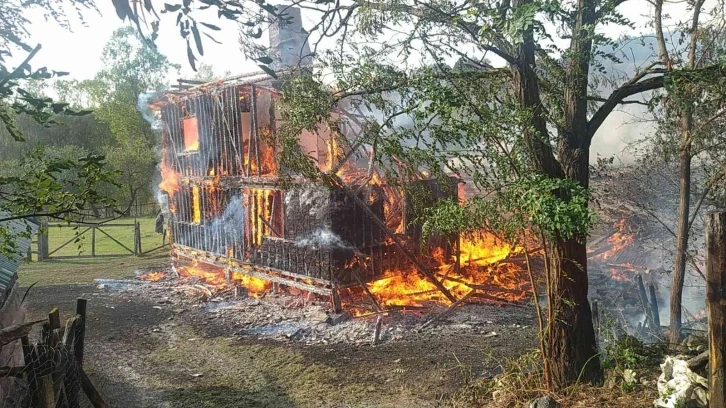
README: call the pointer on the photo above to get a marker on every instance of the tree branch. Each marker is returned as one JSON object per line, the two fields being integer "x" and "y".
{"x": 631, "y": 88}
{"x": 601, "y": 99}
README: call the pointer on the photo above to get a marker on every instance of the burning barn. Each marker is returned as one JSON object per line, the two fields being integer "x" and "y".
{"x": 232, "y": 219}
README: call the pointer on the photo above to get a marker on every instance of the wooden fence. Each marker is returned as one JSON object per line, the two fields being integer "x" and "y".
{"x": 45, "y": 251}
{"x": 135, "y": 210}
{"x": 52, "y": 373}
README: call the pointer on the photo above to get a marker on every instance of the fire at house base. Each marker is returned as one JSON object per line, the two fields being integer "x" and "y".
{"x": 293, "y": 315}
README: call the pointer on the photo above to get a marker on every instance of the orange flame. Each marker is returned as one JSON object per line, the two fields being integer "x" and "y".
{"x": 255, "y": 286}
{"x": 210, "y": 274}
{"x": 484, "y": 249}
{"x": 621, "y": 239}
{"x": 196, "y": 209}
{"x": 480, "y": 266}
{"x": 169, "y": 179}
{"x": 152, "y": 276}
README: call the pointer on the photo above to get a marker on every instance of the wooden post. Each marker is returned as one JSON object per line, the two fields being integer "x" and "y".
{"x": 30, "y": 373}
{"x": 137, "y": 239}
{"x": 80, "y": 336}
{"x": 644, "y": 302}
{"x": 716, "y": 299}
{"x": 93, "y": 241}
{"x": 43, "y": 241}
{"x": 654, "y": 307}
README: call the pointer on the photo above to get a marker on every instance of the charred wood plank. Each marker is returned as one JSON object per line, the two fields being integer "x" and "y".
{"x": 645, "y": 305}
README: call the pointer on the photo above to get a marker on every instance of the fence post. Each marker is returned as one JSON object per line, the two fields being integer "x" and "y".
{"x": 137, "y": 239}
{"x": 43, "y": 241}
{"x": 93, "y": 241}
{"x": 81, "y": 336}
{"x": 716, "y": 299}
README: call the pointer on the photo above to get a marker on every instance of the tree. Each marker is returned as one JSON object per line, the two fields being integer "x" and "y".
{"x": 50, "y": 187}
{"x": 694, "y": 112}
{"x": 132, "y": 69}
{"x": 553, "y": 115}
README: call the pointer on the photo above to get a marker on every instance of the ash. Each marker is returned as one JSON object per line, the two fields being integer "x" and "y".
{"x": 305, "y": 320}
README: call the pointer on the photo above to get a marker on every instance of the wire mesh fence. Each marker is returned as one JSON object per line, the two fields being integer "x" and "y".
{"x": 51, "y": 374}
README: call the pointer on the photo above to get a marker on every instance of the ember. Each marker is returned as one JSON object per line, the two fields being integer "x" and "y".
{"x": 152, "y": 276}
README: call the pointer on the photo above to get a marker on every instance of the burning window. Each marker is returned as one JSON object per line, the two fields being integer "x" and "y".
{"x": 196, "y": 209}
{"x": 190, "y": 131}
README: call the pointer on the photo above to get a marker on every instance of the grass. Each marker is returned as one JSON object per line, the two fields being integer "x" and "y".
{"x": 73, "y": 263}
{"x": 85, "y": 270}
{"x": 81, "y": 244}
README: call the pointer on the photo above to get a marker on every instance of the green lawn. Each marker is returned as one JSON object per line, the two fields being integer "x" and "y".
{"x": 112, "y": 261}
{"x": 59, "y": 233}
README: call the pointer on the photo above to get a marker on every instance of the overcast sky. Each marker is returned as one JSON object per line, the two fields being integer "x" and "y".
{"x": 79, "y": 52}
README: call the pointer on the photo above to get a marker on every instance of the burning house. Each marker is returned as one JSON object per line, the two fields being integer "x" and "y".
{"x": 232, "y": 219}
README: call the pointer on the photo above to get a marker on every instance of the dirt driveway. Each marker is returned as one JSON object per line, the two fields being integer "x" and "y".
{"x": 141, "y": 354}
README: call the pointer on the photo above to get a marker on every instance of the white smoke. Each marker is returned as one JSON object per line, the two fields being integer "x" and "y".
{"x": 150, "y": 115}
{"x": 322, "y": 238}
{"x": 228, "y": 228}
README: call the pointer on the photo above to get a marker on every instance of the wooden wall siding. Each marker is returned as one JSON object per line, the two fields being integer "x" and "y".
{"x": 221, "y": 170}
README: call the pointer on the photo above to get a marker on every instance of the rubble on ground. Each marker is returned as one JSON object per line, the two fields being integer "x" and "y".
{"x": 304, "y": 319}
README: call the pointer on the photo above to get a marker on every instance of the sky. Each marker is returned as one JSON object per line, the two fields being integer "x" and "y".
{"x": 79, "y": 53}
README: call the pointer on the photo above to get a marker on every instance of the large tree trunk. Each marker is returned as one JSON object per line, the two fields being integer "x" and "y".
{"x": 572, "y": 347}
{"x": 570, "y": 338}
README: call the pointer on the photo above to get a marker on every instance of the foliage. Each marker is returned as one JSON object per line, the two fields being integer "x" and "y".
{"x": 631, "y": 353}
{"x": 132, "y": 69}
{"x": 39, "y": 184}
{"x": 521, "y": 134}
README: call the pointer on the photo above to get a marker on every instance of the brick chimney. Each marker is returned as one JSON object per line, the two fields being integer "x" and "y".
{"x": 288, "y": 40}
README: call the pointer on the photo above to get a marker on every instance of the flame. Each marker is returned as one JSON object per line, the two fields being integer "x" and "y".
{"x": 215, "y": 276}
{"x": 210, "y": 274}
{"x": 461, "y": 193}
{"x": 193, "y": 146}
{"x": 190, "y": 131}
{"x": 255, "y": 286}
{"x": 152, "y": 276}
{"x": 196, "y": 209}
{"x": 408, "y": 287}
{"x": 484, "y": 249}
{"x": 621, "y": 239}
{"x": 169, "y": 179}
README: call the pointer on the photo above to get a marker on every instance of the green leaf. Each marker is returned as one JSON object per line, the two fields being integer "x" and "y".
{"x": 210, "y": 26}
{"x": 197, "y": 39}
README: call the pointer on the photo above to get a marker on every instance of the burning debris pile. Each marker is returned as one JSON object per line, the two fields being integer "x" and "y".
{"x": 302, "y": 318}
{"x": 617, "y": 260}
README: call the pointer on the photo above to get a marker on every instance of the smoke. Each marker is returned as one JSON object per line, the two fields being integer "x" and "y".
{"x": 228, "y": 228}
{"x": 322, "y": 238}
{"x": 151, "y": 116}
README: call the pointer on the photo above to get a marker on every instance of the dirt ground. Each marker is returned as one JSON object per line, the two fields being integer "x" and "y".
{"x": 142, "y": 354}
